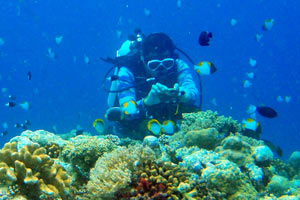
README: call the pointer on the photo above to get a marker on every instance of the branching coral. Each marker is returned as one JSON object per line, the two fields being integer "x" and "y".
{"x": 34, "y": 172}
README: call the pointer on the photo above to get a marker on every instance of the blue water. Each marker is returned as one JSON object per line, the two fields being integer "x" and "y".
{"x": 66, "y": 91}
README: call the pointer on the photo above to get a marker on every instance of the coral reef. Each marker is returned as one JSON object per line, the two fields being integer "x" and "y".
{"x": 82, "y": 153}
{"x": 225, "y": 176}
{"x": 40, "y": 137}
{"x": 205, "y": 138}
{"x": 165, "y": 180}
{"x": 53, "y": 150}
{"x": 278, "y": 185}
{"x": 207, "y": 158}
{"x": 294, "y": 160}
{"x": 113, "y": 171}
{"x": 219, "y": 174}
{"x": 209, "y": 119}
{"x": 262, "y": 154}
{"x": 34, "y": 172}
{"x": 236, "y": 150}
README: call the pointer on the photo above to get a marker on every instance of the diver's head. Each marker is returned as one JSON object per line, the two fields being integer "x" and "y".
{"x": 158, "y": 53}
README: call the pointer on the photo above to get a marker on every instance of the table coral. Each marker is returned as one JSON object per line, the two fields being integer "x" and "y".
{"x": 34, "y": 172}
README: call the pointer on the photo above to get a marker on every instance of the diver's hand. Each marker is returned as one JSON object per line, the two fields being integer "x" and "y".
{"x": 182, "y": 95}
{"x": 155, "y": 94}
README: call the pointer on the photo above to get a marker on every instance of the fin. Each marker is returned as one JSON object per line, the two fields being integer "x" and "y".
{"x": 168, "y": 127}
{"x": 154, "y": 127}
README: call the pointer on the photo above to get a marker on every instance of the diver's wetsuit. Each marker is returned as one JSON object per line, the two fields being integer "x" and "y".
{"x": 180, "y": 74}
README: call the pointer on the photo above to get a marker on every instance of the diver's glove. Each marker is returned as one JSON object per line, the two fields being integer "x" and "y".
{"x": 154, "y": 97}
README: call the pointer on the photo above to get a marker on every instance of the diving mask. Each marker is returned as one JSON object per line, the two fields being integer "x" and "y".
{"x": 167, "y": 63}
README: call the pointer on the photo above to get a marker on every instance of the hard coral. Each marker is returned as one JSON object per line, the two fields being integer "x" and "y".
{"x": 113, "y": 171}
{"x": 53, "y": 150}
{"x": 205, "y": 138}
{"x": 209, "y": 119}
{"x": 236, "y": 150}
{"x": 227, "y": 177}
{"x": 34, "y": 172}
{"x": 164, "y": 181}
{"x": 82, "y": 153}
{"x": 40, "y": 137}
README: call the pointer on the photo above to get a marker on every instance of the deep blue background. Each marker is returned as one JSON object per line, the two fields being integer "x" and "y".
{"x": 64, "y": 92}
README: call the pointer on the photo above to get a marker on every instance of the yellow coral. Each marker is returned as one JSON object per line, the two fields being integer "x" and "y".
{"x": 33, "y": 171}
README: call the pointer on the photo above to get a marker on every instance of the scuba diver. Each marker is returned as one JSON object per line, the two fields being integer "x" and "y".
{"x": 151, "y": 87}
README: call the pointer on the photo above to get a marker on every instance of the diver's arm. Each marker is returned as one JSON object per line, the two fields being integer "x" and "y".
{"x": 186, "y": 83}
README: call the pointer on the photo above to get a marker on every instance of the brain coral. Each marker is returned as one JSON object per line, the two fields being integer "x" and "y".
{"x": 34, "y": 172}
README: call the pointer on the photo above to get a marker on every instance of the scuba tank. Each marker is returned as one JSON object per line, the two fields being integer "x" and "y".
{"x": 112, "y": 96}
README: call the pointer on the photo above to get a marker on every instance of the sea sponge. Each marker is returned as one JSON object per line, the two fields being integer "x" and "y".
{"x": 34, "y": 172}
